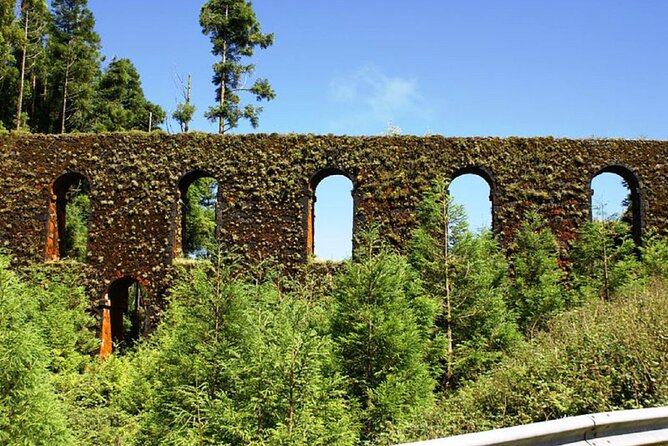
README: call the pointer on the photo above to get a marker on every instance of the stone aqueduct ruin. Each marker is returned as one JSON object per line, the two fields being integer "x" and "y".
{"x": 265, "y": 191}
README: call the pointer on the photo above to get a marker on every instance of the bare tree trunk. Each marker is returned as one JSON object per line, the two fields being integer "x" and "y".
{"x": 19, "y": 101}
{"x": 186, "y": 124}
{"x": 221, "y": 120}
{"x": 65, "y": 85}
{"x": 448, "y": 303}
{"x": 33, "y": 99}
{"x": 606, "y": 278}
{"x": 45, "y": 89}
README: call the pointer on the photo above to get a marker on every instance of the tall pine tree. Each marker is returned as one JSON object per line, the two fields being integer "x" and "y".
{"x": 120, "y": 102}
{"x": 74, "y": 48}
{"x": 235, "y": 34}
{"x": 9, "y": 34}
{"x": 35, "y": 20}
{"x": 467, "y": 274}
{"x": 383, "y": 325}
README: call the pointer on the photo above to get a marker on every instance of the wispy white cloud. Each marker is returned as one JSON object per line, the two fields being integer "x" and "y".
{"x": 374, "y": 99}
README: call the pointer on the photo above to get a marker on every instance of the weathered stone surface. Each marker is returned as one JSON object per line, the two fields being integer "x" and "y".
{"x": 265, "y": 186}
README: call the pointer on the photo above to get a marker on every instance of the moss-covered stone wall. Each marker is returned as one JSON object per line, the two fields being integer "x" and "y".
{"x": 265, "y": 188}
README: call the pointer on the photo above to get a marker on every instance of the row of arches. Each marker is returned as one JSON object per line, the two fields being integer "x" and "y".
{"x": 330, "y": 222}
{"x": 615, "y": 194}
{"x": 124, "y": 309}
{"x": 69, "y": 214}
{"x": 330, "y": 219}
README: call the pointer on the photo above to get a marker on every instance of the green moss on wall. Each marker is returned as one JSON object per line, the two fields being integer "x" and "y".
{"x": 264, "y": 182}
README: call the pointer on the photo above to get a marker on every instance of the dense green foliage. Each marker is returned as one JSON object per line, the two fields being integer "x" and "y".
{"x": 605, "y": 259}
{"x": 467, "y": 275}
{"x": 602, "y": 356}
{"x": 235, "y": 363}
{"x": 246, "y": 356}
{"x": 76, "y": 225}
{"x": 536, "y": 292}
{"x": 199, "y": 237}
{"x": 50, "y": 75}
{"x": 121, "y": 103}
{"x": 382, "y": 324}
{"x": 30, "y": 411}
{"x": 235, "y": 33}
{"x": 44, "y": 341}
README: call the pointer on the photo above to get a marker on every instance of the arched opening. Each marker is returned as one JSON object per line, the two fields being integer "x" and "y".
{"x": 615, "y": 195}
{"x": 124, "y": 315}
{"x": 330, "y": 216}
{"x": 69, "y": 212}
{"x": 472, "y": 188}
{"x": 198, "y": 214}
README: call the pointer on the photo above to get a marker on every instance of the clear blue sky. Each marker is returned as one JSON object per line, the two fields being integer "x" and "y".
{"x": 562, "y": 68}
{"x": 571, "y": 68}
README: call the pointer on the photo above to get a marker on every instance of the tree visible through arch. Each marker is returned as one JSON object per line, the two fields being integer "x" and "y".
{"x": 124, "y": 315}
{"x": 69, "y": 213}
{"x": 330, "y": 220}
{"x": 197, "y": 211}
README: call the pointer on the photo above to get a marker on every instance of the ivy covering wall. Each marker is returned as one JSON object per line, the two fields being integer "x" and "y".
{"x": 264, "y": 188}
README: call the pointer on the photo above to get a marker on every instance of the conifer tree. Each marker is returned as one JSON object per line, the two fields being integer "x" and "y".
{"x": 30, "y": 410}
{"x": 35, "y": 20}
{"x": 9, "y": 35}
{"x": 605, "y": 259}
{"x": 7, "y": 18}
{"x": 235, "y": 363}
{"x": 235, "y": 33}
{"x": 120, "y": 101}
{"x": 536, "y": 292}
{"x": 383, "y": 326}
{"x": 75, "y": 57}
{"x": 467, "y": 274}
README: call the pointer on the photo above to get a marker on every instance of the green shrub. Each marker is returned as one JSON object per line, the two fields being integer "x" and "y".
{"x": 605, "y": 355}
{"x": 238, "y": 363}
{"x": 605, "y": 260}
{"x": 536, "y": 292}
{"x": 655, "y": 256}
{"x": 30, "y": 410}
{"x": 383, "y": 326}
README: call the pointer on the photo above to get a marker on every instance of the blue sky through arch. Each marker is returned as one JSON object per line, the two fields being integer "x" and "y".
{"x": 608, "y": 194}
{"x": 472, "y": 192}
{"x": 333, "y": 219}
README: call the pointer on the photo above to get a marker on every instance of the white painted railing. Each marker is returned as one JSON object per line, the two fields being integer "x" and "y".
{"x": 623, "y": 428}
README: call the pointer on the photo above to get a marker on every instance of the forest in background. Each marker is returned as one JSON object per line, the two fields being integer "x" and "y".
{"x": 51, "y": 76}
{"x": 452, "y": 336}
{"x": 52, "y": 81}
